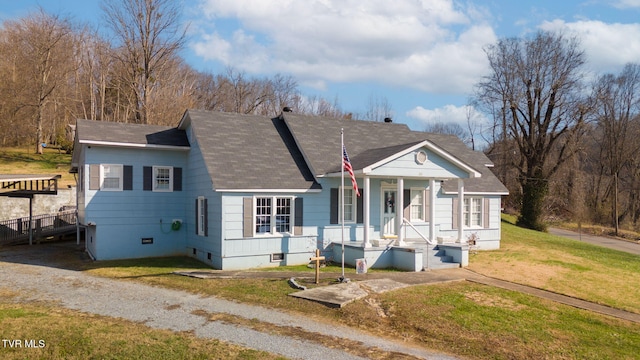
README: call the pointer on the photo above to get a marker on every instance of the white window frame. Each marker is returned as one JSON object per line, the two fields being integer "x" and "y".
{"x": 103, "y": 168}
{"x": 155, "y": 179}
{"x": 414, "y": 203}
{"x": 469, "y": 203}
{"x": 200, "y": 216}
{"x": 273, "y": 215}
{"x": 353, "y": 204}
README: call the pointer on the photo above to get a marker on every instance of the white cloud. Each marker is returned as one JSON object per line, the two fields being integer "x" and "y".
{"x": 626, "y": 4}
{"x": 447, "y": 114}
{"x": 607, "y": 46}
{"x": 430, "y": 45}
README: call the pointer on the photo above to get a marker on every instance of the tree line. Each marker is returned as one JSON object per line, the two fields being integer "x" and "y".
{"x": 54, "y": 71}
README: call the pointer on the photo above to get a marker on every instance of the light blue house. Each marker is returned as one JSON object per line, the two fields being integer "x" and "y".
{"x": 243, "y": 191}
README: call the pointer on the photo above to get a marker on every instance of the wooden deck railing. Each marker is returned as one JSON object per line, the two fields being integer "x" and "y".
{"x": 17, "y": 230}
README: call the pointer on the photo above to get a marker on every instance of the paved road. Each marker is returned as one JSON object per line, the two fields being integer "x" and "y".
{"x": 615, "y": 244}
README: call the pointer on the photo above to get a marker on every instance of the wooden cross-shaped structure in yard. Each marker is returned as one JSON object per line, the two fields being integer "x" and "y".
{"x": 317, "y": 260}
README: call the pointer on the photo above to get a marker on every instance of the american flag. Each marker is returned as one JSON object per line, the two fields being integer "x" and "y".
{"x": 346, "y": 163}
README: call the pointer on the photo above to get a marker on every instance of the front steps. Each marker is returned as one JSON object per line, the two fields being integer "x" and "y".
{"x": 434, "y": 258}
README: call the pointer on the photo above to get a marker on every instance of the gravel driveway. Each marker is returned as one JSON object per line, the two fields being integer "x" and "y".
{"x": 31, "y": 271}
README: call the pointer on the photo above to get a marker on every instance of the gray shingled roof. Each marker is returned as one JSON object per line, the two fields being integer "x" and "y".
{"x": 368, "y": 142}
{"x": 259, "y": 153}
{"x": 249, "y": 152}
{"x": 105, "y": 131}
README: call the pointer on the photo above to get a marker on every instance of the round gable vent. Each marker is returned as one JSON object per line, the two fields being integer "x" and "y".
{"x": 421, "y": 157}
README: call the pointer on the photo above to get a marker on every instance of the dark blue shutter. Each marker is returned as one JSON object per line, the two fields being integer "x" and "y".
{"x": 177, "y": 179}
{"x": 127, "y": 174}
{"x": 334, "y": 203}
{"x": 147, "y": 178}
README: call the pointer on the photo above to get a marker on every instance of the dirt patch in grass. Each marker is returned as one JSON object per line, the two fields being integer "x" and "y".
{"x": 485, "y": 299}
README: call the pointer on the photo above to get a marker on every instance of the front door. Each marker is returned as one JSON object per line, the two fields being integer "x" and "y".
{"x": 389, "y": 211}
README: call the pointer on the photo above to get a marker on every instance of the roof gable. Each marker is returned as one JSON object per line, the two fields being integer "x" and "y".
{"x": 126, "y": 134}
{"x": 248, "y": 152}
{"x": 437, "y": 163}
{"x": 370, "y": 142}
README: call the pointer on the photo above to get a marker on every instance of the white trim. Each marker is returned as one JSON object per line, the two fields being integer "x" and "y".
{"x": 120, "y": 178}
{"x": 471, "y": 199}
{"x": 272, "y": 221}
{"x": 388, "y": 187}
{"x": 137, "y": 146}
{"x": 200, "y": 216}
{"x": 354, "y": 204}
{"x": 475, "y": 193}
{"x": 270, "y": 191}
{"x": 419, "y": 155}
{"x": 473, "y": 173}
{"x": 422, "y": 190}
{"x": 154, "y": 178}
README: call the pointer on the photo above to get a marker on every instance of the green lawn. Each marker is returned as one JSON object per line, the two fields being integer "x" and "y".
{"x": 564, "y": 266}
{"x": 465, "y": 319}
{"x": 26, "y": 161}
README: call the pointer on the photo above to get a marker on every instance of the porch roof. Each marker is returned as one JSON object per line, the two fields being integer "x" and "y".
{"x": 369, "y": 142}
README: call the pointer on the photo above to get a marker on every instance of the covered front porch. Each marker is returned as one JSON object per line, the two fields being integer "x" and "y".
{"x": 413, "y": 213}
{"x": 406, "y": 223}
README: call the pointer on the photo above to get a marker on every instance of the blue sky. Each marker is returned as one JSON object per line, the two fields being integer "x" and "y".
{"x": 423, "y": 57}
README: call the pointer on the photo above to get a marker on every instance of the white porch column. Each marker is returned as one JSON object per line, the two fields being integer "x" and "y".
{"x": 367, "y": 211}
{"x": 400, "y": 212}
{"x": 460, "y": 210}
{"x": 432, "y": 210}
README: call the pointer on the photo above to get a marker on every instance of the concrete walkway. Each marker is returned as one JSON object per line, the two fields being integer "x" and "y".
{"x": 362, "y": 285}
{"x": 544, "y": 294}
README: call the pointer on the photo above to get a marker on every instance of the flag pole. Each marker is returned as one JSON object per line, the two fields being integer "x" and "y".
{"x": 342, "y": 278}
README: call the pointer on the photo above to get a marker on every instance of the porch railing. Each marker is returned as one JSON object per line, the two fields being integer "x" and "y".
{"x": 17, "y": 230}
{"x": 407, "y": 222}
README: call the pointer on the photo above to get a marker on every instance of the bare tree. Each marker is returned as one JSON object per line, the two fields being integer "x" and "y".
{"x": 378, "y": 108}
{"x": 538, "y": 81}
{"x": 281, "y": 92}
{"x": 150, "y": 34}
{"x": 40, "y": 46}
{"x": 449, "y": 128}
{"x": 618, "y": 104}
